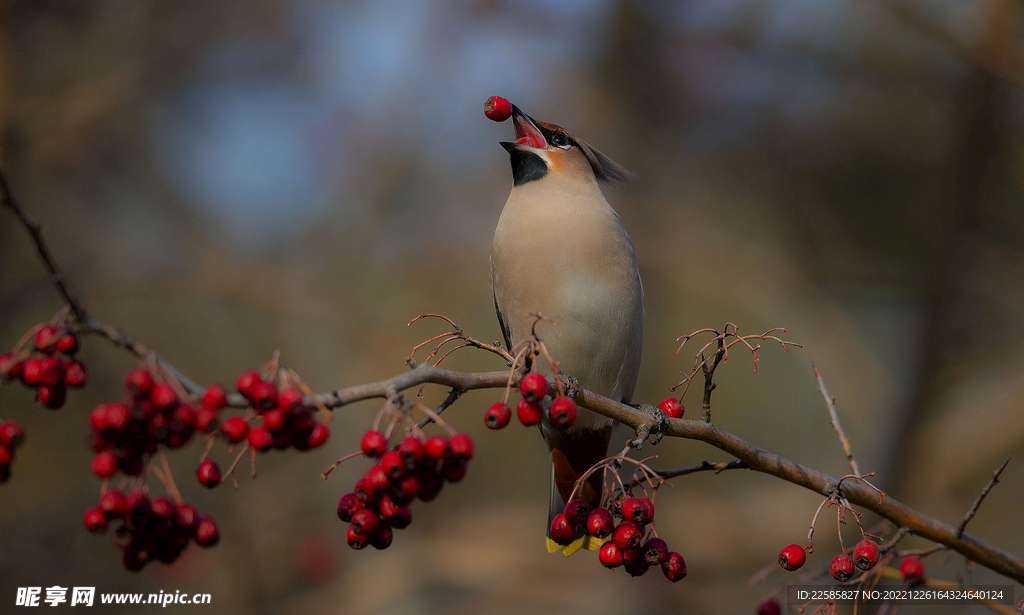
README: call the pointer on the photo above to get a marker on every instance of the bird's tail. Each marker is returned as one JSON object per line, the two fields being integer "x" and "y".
{"x": 572, "y": 454}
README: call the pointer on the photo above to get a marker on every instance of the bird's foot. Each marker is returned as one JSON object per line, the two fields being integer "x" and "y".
{"x": 655, "y": 430}
{"x": 571, "y": 385}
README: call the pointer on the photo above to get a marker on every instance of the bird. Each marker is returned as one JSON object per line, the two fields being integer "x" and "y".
{"x": 561, "y": 250}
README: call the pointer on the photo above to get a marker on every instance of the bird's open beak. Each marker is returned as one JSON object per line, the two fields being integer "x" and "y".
{"x": 527, "y": 132}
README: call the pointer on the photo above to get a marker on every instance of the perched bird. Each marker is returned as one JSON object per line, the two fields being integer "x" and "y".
{"x": 561, "y": 250}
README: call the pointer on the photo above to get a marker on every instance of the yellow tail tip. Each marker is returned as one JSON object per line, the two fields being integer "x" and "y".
{"x": 586, "y": 542}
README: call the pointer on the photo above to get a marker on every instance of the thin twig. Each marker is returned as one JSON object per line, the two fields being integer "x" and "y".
{"x": 831, "y": 403}
{"x": 984, "y": 492}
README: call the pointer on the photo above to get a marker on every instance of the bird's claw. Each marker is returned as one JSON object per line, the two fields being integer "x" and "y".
{"x": 572, "y": 385}
{"x": 655, "y": 430}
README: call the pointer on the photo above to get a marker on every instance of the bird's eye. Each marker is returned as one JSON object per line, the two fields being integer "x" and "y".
{"x": 560, "y": 140}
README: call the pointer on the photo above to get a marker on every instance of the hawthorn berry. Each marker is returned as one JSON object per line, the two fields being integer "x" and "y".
{"x": 638, "y": 510}
{"x": 235, "y": 429}
{"x": 104, "y": 464}
{"x": 769, "y": 607}
{"x": 51, "y": 369}
{"x": 274, "y": 419}
{"x": 365, "y": 521}
{"x": 533, "y": 386}
{"x": 260, "y": 438}
{"x": 53, "y": 397}
{"x": 376, "y": 479}
{"x": 381, "y": 539}
{"x": 163, "y": 508}
{"x": 841, "y": 567}
{"x": 291, "y": 399}
{"x": 246, "y": 383}
{"x": 6, "y": 456}
{"x": 430, "y": 487}
{"x": 67, "y": 344}
{"x": 207, "y": 533}
{"x": 610, "y": 555}
{"x": 32, "y": 371}
{"x": 208, "y": 473}
{"x": 74, "y": 373}
{"x": 411, "y": 450}
{"x": 529, "y": 413}
{"x": 576, "y": 511}
{"x": 497, "y": 108}
{"x": 865, "y": 554}
{"x": 498, "y": 416}
{"x": 407, "y": 489}
{"x": 139, "y": 508}
{"x": 912, "y": 569}
{"x": 113, "y": 504}
{"x": 600, "y": 523}
{"x": 671, "y": 407}
{"x": 264, "y": 396}
{"x": 347, "y": 505}
{"x": 393, "y": 464}
{"x": 373, "y": 444}
{"x": 95, "y": 521}
{"x": 207, "y": 419}
{"x": 627, "y": 535}
{"x": 356, "y": 540}
{"x": 654, "y": 551}
{"x": 398, "y": 517}
{"x": 10, "y": 366}
{"x": 215, "y": 397}
{"x": 454, "y": 471}
{"x": 138, "y": 382}
{"x": 11, "y": 435}
{"x": 461, "y": 447}
{"x": 562, "y": 413}
{"x": 318, "y": 435}
{"x": 186, "y": 519}
{"x": 637, "y": 568}
{"x": 792, "y": 557}
{"x": 437, "y": 448}
{"x": 674, "y": 567}
{"x": 163, "y": 396}
{"x": 46, "y": 336}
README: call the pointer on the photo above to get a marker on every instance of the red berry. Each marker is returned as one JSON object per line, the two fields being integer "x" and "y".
{"x": 563, "y": 413}
{"x": 117, "y": 416}
{"x": 207, "y": 533}
{"x": 260, "y": 438}
{"x": 246, "y": 383}
{"x": 533, "y": 386}
{"x": 365, "y": 521}
{"x": 411, "y": 450}
{"x": 46, "y": 336}
{"x": 393, "y": 464}
{"x": 408, "y": 489}
{"x": 399, "y": 517}
{"x": 561, "y": 532}
{"x": 497, "y": 108}
{"x": 792, "y": 557}
{"x": 865, "y": 554}
{"x": 600, "y": 523}
{"x": 429, "y": 488}
{"x": 10, "y": 367}
{"x": 164, "y": 508}
{"x": 139, "y": 382}
{"x": 32, "y": 371}
{"x": 67, "y": 344}
{"x": 163, "y": 397}
{"x": 235, "y": 428}
{"x": 53, "y": 397}
{"x": 437, "y": 448}
{"x": 290, "y": 399}
{"x": 638, "y": 510}
{"x": 610, "y": 555}
{"x": 576, "y": 511}
{"x": 654, "y": 551}
{"x": 274, "y": 419}
{"x": 355, "y": 539}
{"x": 51, "y": 370}
{"x": 104, "y": 464}
{"x": 671, "y": 407}
{"x": 497, "y": 416}
{"x": 674, "y": 567}
{"x": 113, "y": 504}
{"x": 318, "y": 435}
{"x": 264, "y": 396}
{"x": 841, "y": 567}
{"x": 95, "y": 521}
{"x": 6, "y": 456}
{"x": 215, "y": 397}
{"x": 627, "y": 535}
{"x": 347, "y": 505}
{"x": 373, "y": 444}
{"x": 207, "y": 419}
{"x": 912, "y": 569}
{"x": 637, "y": 568}
{"x": 462, "y": 447}
{"x": 186, "y": 519}
{"x": 529, "y": 413}
{"x": 74, "y": 373}
{"x": 208, "y": 473}
{"x": 454, "y": 471}
{"x": 11, "y": 435}
{"x": 769, "y": 607}
{"x": 381, "y": 539}
{"x": 376, "y": 479}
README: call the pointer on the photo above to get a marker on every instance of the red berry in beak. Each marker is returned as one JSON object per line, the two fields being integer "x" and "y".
{"x": 792, "y": 557}
{"x": 563, "y": 413}
{"x": 674, "y": 567}
{"x": 610, "y": 555}
{"x": 841, "y": 567}
{"x": 600, "y": 523}
{"x": 497, "y": 109}
{"x": 497, "y": 416}
{"x": 529, "y": 413}
{"x": 865, "y": 554}
{"x": 671, "y": 407}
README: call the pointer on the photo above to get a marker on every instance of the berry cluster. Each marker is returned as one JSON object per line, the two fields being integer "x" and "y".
{"x": 533, "y": 388}
{"x": 150, "y": 530}
{"x": 11, "y": 437}
{"x": 417, "y": 467}
{"x": 286, "y": 419}
{"x": 842, "y": 567}
{"x": 625, "y": 544}
{"x": 43, "y": 369}
{"x": 124, "y": 435}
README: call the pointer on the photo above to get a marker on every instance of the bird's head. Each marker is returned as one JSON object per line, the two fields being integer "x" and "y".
{"x": 543, "y": 149}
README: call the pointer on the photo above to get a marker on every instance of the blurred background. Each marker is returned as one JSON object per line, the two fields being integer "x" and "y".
{"x": 228, "y": 179}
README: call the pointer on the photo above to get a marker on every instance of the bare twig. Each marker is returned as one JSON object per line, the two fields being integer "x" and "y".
{"x": 984, "y": 492}
{"x": 834, "y": 417}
